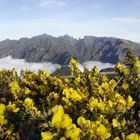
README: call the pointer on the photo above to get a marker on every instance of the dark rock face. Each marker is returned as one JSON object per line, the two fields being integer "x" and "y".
{"x": 46, "y": 48}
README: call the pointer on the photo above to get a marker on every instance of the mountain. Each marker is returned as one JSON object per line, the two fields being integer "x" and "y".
{"x": 46, "y": 48}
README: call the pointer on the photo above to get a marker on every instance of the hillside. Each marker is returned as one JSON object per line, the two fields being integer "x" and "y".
{"x": 46, "y": 48}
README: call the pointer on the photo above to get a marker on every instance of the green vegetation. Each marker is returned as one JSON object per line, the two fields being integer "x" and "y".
{"x": 87, "y": 107}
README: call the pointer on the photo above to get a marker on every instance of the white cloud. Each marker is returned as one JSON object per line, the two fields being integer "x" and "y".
{"x": 98, "y": 64}
{"x": 20, "y": 64}
{"x": 91, "y": 64}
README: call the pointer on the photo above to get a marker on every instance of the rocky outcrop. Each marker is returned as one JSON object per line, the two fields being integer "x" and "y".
{"x": 46, "y": 48}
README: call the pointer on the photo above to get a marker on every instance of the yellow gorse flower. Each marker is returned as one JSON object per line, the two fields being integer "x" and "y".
{"x": 46, "y": 136}
{"x": 133, "y": 136}
{"x": 72, "y": 94}
{"x": 115, "y": 123}
{"x": 15, "y": 89}
{"x": 2, "y": 117}
{"x": 12, "y": 107}
{"x": 90, "y": 105}
{"x": 59, "y": 119}
{"x": 130, "y": 102}
{"x": 125, "y": 85}
{"x": 28, "y": 103}
{"x": 102, "y": 132}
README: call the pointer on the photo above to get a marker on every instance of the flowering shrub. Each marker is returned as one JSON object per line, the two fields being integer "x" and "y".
{"x": 89, "y": 106}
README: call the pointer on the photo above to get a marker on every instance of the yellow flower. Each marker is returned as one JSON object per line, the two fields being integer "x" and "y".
{"x": 66, "y": 121}
{"x": 66, "y": 93}
{"x": 110, "y": 103}
{"x": 100, "y": 90}
{"x": 118, "y": 96}
{"x": 133, "y": 136}
{"x": 115, "y": 123}
{"x": 137, "y": 64}
{"x": 46, "y": 136}
{"x": 2, "y": 109}
{"x": 122, "y": 101}
{"x": 72, "y": 94}
{"x": 119, "y": 66}
{"x": 57, "y": 117}
{"x": 12, "y": 107}
{"x": 15, "y": 89}
{"x": 56, "y": 120}
{"x": 62, "y": 138}
{"x": 66, "y": 80}
{"x": 27, "y": 91}
{"x": 102, "y": 132}
{"x": 93, "y": 102}
{"x": 78, "y": 79}
{"x": 101, "y": 105}
{"x": 116, "y": 138}
{"x": 81, "y": 121}
{"x": 56, "y": 95}
{"x": 9, "y": 132}
{"x": 139, "y": 114}
{"x": 125, "y": 71}
{"x": 73, "y": 133}
{"x": 105, "y": 86}
{"x": 28, "y": 103}
{"x": 75, "y": 96}
{"x": 73, "y": 61}
{"x": 130, "y": 102}
{"x": 112, "y": 83}
{"x": 125, "y": 85}
{"x": 2, "y": 120}
{"x": 123, "y": 122}
{"x": 58, "y": 109}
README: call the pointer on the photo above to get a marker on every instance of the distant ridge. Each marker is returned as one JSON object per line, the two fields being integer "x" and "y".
{"x": 46, "y": 48}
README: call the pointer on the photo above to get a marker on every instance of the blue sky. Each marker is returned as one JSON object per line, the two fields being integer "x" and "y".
{"x": 27, "y": 18}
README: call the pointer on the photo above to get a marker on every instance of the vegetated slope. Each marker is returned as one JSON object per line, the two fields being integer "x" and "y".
{"x": 46, "y": 48}
{"x": 90, "y": 106}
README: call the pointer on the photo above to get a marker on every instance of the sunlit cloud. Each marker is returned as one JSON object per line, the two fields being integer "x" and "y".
{"x": 20, "y": 64}
{"x": 91, "y": 64}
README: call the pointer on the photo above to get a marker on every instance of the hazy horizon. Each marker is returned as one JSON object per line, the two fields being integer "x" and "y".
{"x": 110, "y": 18}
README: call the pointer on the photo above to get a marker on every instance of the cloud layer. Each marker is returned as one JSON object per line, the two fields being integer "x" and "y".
{"x": 20, "y": 64}
{"x": 91, "y": 64}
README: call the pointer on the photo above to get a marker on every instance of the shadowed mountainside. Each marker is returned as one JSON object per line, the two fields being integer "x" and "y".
{"x": 46, "y": 48}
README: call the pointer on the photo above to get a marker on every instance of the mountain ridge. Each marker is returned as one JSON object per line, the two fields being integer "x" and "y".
{"x": 47, "y": 48}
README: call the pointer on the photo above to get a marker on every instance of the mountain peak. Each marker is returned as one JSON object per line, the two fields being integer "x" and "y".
{"x": 46, "y": 48}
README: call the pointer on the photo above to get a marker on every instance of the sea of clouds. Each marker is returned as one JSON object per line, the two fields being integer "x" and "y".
{"x": 91, "y": 64}
{"x": 21, "y": 64}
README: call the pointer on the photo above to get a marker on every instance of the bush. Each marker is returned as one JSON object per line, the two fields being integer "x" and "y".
{"x": 88, "y": 106}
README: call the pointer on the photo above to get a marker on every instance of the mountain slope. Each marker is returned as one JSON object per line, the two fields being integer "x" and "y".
{"x": 46, "y": 48}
